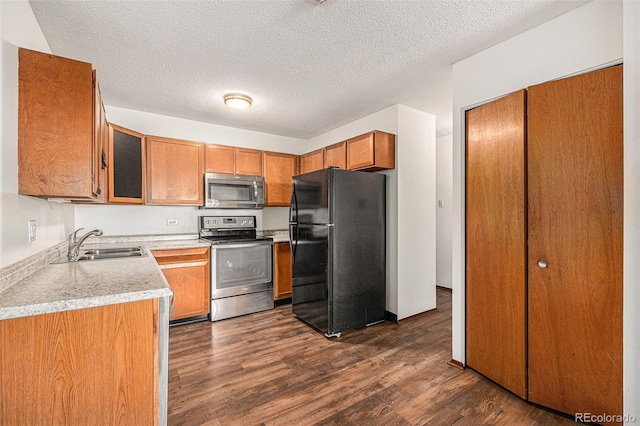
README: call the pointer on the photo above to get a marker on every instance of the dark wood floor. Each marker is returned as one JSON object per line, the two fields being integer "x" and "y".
{"x": 270, "y": 368}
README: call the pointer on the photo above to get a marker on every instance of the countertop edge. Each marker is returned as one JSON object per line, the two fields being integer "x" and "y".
{"x": 82, "y": 303}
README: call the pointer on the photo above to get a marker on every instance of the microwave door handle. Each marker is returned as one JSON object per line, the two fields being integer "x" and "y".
{"x": 255, "y": 192}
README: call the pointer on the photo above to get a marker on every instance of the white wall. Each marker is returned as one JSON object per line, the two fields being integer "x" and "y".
{"x": 410, "y": 218}
{"x": 444, "y": 170}
{"x": 54, "y": 221}
{"x": 179, "y": 128}
{"x": 416, "y": 168}
{"x": 631, "y": 337}
{"x": 582, "y": 39}
{"x": 133, "y": 220}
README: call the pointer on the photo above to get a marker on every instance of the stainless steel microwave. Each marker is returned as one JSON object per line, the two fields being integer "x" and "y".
{"x": 223, "y": 191}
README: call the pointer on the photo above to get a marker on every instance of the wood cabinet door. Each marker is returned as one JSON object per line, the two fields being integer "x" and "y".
{"x": 496, "y": 242}
{"x": 279, "y": 170}
{"x": 336, "y": 156}
{"x": 360, "y": 152}
{"x": 82, "y": 367}
{"x": 282, "y": 271}
{"x": 575, "y": 226}
{"x": 96, "y": 146}
{"x": 175, "y": 172}
{"x": 126, "y": 166}
{"x": 372, "y": 152}
{"x": 55, "y": 130}
{"x": 220, "y": 159}
{"x": 248, "y": 162}
{"x": 312, "y": 161}
{"x": 188, "y": 273}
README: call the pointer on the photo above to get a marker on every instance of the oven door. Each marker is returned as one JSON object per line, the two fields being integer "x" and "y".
{"x": 241, "y": 268}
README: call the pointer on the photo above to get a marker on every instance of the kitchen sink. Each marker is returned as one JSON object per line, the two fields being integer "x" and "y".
{"x": 106, "y": 253}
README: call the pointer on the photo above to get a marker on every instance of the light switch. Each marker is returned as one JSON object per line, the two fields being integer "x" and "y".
{"x": 32, "y": 230}
{"x": 440, "y": 203}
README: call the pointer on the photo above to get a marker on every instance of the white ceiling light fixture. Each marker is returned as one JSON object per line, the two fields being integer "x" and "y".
{"x": 237, "y": 101}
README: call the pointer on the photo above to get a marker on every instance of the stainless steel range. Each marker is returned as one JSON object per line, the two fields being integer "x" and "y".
{"x": 241, "y": 266}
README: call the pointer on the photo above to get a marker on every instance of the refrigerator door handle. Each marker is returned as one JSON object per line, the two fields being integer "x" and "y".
{"x": 293, "y": 205}
{"x": 292, "y": 241}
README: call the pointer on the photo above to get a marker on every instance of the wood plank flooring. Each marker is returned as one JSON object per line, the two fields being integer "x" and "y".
{"x": 271, "y": 369}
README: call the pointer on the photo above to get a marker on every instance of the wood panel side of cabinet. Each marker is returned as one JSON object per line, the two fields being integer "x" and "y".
{"x": 385, "y": 147}
{"x": 55, "y": 132}
{"x": 188, "y": 273}
{"x": 248, "y": 162}
{"x": 175, "y": 170}
{"x": 87, "y": 366}
{"x": 336, "y": 155}
{"x": 279, "y": 170}
{"x": 575, "y": 178}
{"x": 220, "y": 159}
{"x": 282, "y": 271}
{"x": 496, "y": 241}
{"x": 134, "y": 173}
{"x": 312, "y": 161}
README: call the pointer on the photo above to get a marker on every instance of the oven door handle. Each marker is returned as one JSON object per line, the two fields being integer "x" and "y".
{"x": 241, "y": 245}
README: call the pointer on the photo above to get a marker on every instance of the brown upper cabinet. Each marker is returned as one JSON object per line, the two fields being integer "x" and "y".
{"x": 100, "y": 145}
{"x": 278, "y": 171}
{"x": 248, "y": 162}
{"x": 232, "y": 160}
{"x": 59, "y": 146}
{"x": 312, "y": 161}
{"x": 175, "y": 170}
{"x": 220, "y": 159}
{"x": 126, "y": 166}
{"x": 336, "y": 155}
{"x": 372, "y": 152}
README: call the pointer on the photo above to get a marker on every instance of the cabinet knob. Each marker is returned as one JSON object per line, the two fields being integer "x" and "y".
{"x": 542, "y": 264}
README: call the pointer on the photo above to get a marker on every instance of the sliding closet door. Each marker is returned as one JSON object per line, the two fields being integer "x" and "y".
{"x": 575, "y": 243}
{"x": 496, "y": 245}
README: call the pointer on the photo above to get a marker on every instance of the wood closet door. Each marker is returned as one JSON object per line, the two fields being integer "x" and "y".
{"x": 496, "y": 241}
{"x": 575, "y": 225}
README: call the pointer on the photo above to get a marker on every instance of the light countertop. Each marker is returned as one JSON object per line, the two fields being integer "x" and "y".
{"x": 77, "y": 285}
{"x": 279, "y": 236}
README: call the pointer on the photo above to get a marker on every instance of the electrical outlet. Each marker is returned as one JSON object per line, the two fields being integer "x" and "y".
{"x": 32, "y": 230}
{"x": 440, "y": 203}
{"x": 172, "y": 222}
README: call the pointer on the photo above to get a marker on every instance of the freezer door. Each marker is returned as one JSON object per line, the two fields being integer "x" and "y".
{"x": 311, "y": 198}
{"x": 310, "y": 285}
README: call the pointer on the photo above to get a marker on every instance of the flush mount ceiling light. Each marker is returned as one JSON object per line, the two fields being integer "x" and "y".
{"x": 237, "y": 101}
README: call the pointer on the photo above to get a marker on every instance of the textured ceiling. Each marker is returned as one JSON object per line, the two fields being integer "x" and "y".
{"x": 309, "y": 67}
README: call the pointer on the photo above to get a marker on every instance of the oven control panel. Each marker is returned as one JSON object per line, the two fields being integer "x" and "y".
{"x": 217, "y": 222}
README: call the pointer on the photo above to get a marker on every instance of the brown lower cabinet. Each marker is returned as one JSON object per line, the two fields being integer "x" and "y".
{"x": 81, "y": 367}
{"x": 544, "y": 209}
{"x": 187, "y": 272}
{"x": 282, "y": 271}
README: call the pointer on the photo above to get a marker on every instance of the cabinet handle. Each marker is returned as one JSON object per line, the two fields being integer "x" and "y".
{"x": 183, "y": 265}
{"x": 542, "y": 264}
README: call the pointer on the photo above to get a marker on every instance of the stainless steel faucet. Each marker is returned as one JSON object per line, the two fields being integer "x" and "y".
{"x": 74, "y": 242}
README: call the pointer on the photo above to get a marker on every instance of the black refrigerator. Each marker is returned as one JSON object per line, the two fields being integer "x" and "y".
{"x": 337, "y": 227}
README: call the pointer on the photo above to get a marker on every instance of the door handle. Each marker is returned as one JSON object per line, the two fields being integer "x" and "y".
{"x": 542, "y": 264}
